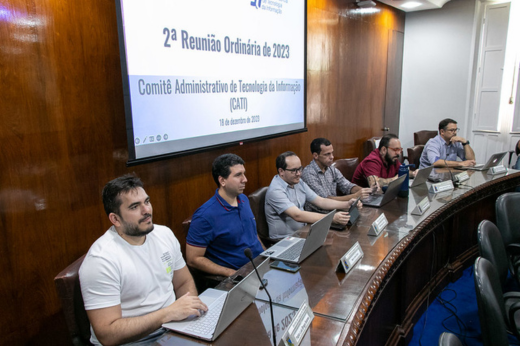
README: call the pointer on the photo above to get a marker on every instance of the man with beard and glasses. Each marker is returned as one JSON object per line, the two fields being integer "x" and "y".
{"x": 223, "y": 227}
{"x": 381, "y": 166}
{"x": 133, "y": 279}
{"x": 445, "y": 149}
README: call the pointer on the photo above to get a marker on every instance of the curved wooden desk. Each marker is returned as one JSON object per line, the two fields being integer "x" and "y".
{"x": 378, "y": 302}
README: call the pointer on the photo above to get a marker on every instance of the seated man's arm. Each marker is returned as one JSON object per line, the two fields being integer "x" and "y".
{"x": 112, "y": 329}
{"x": 310, "y": 217}
{"x": 349, "y": 189}
{"x": 195, "y": 258}
{"x": 260, "y": 240}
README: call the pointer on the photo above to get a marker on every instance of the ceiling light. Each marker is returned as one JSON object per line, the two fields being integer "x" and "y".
{"x": 411, "y": 4}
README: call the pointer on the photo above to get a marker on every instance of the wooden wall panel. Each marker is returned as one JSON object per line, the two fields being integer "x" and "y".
{"x": 63, "y": 137}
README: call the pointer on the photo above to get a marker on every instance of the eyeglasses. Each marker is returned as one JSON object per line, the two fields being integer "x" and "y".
{"x": 453, "y": 130}
{"x": 295, "y": 170}
{"x": 397, "y": 150}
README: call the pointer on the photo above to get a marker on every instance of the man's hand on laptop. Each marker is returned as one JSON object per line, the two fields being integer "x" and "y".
{"x": 468, "y": 163}
{"x": 185, "y": 306}
{"x": 341, "y": 218}
{"x": 363, "y": 193}
{"x": 413, "y": 174}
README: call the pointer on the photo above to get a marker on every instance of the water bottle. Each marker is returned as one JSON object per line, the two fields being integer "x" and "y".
{"x": 405, "y": 186}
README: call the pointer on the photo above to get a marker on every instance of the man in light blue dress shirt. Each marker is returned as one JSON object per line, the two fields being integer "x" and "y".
{"x": 444, "y": 149}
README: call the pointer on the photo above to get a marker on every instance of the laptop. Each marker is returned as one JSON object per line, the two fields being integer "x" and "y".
{"x": 494, "y": 160}
{"x": 421, "y": 177}
{"x": 377, "y": 201}
{"x": 295, "y": 250}
{"x": 223, "y": 308}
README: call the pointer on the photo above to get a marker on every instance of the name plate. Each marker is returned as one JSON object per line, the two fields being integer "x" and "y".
{"x": 350, "y": 258}
{"x": 462, "y": 177}
{"x": 294, "y": 334}
{"x": 378, "y": 226}
{"x": 442, "y": 186}
{"x": 421, "y": 207}
{"x": 497, "y": 170}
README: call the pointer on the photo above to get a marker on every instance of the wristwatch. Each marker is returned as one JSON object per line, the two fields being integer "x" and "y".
{"x": 467, "y": 142}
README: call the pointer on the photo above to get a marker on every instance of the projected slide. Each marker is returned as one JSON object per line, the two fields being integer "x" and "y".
{"x": 203, "y": 73}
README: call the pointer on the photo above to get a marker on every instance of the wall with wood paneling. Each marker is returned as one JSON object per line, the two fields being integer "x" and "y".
{"x": 62, "y": 137}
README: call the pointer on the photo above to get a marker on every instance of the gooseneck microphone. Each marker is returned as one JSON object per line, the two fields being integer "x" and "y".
{"x": 454, "y": 181}
{"x": 249, "y": 254}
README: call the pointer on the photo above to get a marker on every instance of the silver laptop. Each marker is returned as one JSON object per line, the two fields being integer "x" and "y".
{"x": 295, "y": 250}
{"x": 377, "y": 201}
{"x": 494, "y": 160}
{"x": 421, "y": 177}
{"x": 223, "y": 308}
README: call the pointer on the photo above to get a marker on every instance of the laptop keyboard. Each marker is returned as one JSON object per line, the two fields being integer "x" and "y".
{"x": 206, "y": 324}
{"x": 292, "y": 253}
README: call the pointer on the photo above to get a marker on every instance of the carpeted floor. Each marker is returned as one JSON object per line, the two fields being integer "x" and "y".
{"x": 454, "y": 310}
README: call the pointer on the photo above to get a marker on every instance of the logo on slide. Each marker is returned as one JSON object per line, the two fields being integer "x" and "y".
{"x": 253, "y": 3}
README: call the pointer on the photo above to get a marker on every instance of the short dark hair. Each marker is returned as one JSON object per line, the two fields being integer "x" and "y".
{"x": 385, "y": 141}
{"x": 222, "y": 164}
{"x": 444, "y": 123}
{"x": 280, "y": 160}
{"x": 114, "y": 188}
{"x": 316, "y": 145}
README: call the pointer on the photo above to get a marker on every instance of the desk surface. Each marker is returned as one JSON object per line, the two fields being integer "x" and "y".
{"x": 341, "y": 300}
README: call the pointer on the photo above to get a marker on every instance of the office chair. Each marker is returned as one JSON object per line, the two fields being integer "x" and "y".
{"x": 422, "y": 137}
{"x": 414, "y": 155}
{"x": 491, "y": 247}
{"x": 69, "y": 292}
{"x": 369, "y": 145}
{"x": 508, "y": 223}
{"x": 202, "y": 279}
{"x": 495, "y": 313}
{"x": 257, "y": 203}
{"x": 448, "y": 339}
{"x": 347, "y": 167}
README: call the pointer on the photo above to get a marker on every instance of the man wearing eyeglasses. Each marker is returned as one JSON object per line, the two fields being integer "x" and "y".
{"x": 286, "y": 198}
{"x": 381, "y": 166}
{"x": 444, "y": 149}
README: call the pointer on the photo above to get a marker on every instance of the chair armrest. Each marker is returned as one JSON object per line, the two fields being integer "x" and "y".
{"x": 512, "y": 325}
{"x": 512, "y": 295}
{"x": 513, "y": 249}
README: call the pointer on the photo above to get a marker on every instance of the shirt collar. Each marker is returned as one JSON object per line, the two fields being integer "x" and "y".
{"x": 225, "y": 204}
{"x": 316, "y": 167}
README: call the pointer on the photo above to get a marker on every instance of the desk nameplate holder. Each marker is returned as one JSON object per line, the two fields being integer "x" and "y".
{"x": 378, "y": 225}
{"x": 442, "y": 186}
{"x": 350, "y": 259}
{"x": 421, "y": 207}
{"x": 497, "y": 170}
{"x": 461, "y": 177}
{"x": 296, "y": 330}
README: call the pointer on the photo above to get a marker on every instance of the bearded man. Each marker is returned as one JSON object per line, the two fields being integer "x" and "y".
{"x": 381, "y": 166}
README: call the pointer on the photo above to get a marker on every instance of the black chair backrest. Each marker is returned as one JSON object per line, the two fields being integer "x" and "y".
{"x": 491, "y": 308}
{"x": 508, "y": 221}
{"x": 491, "y": 247}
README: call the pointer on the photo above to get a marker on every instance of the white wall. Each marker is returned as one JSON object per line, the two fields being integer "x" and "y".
{"x": 439, "y": 54}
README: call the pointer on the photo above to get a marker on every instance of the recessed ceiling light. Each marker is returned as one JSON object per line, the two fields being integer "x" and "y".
{"x": 411, "y": 4}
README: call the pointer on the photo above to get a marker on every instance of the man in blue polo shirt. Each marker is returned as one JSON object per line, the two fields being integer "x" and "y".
{"x": 224, "y": 226}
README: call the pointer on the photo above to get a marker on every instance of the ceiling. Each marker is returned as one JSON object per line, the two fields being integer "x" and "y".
{"x": 423, "y": 4}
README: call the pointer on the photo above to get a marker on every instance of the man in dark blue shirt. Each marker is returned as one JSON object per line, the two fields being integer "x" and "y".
{"x": 224, "y": 226}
